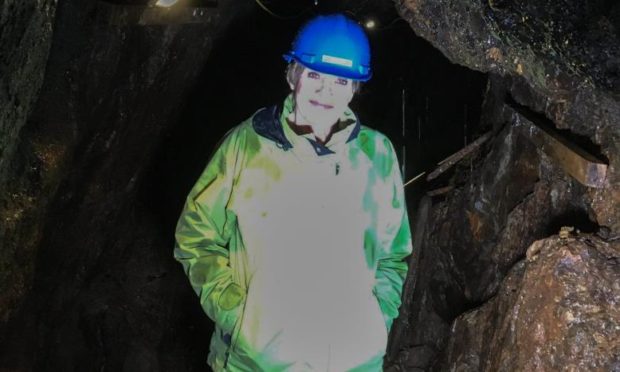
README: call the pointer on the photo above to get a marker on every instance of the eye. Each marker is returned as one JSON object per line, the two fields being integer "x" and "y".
{"x": 313, "y": 75}
{"x": 343, "y": 82}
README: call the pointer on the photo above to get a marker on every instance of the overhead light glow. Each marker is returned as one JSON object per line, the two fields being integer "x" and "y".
{"x": 370, "y": 24}
{"x": 165, "y": 3}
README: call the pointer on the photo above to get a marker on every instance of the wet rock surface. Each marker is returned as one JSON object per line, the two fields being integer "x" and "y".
{"x": 84, "y": 274}
{"x": 480, "y": 231}
{"x": 559, "y": 59}
{"x": 25, "y": 40}
{"x": 557, "y": 65}
{"x": 556, "y": 310}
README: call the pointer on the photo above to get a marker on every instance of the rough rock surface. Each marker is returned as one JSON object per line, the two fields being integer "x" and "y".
{"x": 558, "y": 61}
{"x": 515, "y": 196}
{"x": 25, "y": 39}
{"x": 564, "y": 59}
{"x": 69, "y": 209}
{"x": 556, "y": 310}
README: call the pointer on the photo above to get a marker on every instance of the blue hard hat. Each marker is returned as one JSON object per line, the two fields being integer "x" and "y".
{"x": 333, "y": 44}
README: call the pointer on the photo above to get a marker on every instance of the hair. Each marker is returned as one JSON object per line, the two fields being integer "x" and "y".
{"x": 295, "y": 69}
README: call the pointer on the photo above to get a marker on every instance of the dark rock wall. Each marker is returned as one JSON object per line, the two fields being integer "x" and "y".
{"x": 564, "y": 59}
{"x": 557, "y": 62}
{"x": 481, "y": 230}
{"x": 110, "y": 93}
{"x": 25, "y": 39}
{"x": 557, "y": 310}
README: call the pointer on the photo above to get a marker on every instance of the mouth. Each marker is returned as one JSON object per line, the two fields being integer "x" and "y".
{"x": 321, "y": 105}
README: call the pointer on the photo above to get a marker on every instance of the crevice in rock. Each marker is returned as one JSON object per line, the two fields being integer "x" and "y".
{"x": 584, "y": 144}
{"x": 578, "y": 219}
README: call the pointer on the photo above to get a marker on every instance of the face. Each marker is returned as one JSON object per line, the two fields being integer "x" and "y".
{"x": 321, "y": 99}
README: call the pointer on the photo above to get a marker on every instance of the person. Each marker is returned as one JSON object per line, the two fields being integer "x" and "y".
{"x": 295, "y": 235}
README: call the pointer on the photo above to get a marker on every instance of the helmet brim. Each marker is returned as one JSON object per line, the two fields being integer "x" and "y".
{"x": 332, "y": 69}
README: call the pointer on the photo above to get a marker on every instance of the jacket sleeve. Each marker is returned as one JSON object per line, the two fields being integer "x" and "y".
{"x": 394, "y": 237}
{"x": 202, "y": 235}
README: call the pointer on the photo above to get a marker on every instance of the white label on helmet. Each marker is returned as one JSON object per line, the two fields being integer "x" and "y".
{"x": 337, "y": 60}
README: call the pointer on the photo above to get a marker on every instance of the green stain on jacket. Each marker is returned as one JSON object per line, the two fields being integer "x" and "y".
{"x": 370, "y": 244}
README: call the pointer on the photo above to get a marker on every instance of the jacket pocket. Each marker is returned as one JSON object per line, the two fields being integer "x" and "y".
{"x": 237, "y": 329}
{"x": 231, "y": 339}
{"x": 228, "y": 307}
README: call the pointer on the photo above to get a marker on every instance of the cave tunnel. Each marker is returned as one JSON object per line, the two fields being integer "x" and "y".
{"x": 504, "y": 117}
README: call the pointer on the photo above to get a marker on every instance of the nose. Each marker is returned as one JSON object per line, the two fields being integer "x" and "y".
{"x": 324, "y": 86}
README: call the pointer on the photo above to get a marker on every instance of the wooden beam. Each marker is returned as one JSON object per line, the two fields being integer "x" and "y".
{"x": 448, "y": 162}
{"x": 574, "y": 160}
{"x": 440, "y": 191}
{"x": 414, "y": 179}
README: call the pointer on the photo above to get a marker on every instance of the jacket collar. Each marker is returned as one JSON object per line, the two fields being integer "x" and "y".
{"x": 266, "y": 122}
{"x": 270, "y": 122}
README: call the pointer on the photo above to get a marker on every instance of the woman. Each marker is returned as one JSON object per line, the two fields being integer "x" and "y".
{"x": 295, "y": 234}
